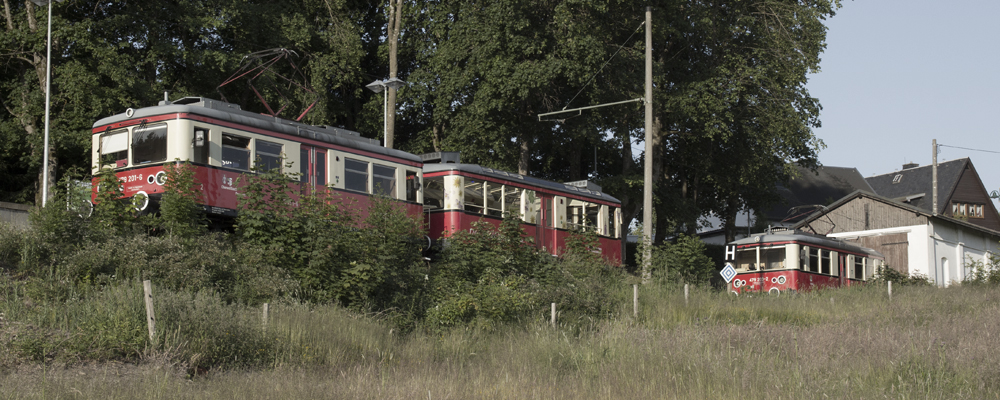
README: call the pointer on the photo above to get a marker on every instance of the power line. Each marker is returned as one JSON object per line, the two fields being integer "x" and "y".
{"x": 966, "y": 148}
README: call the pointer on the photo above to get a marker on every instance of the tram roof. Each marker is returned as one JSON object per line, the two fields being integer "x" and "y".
{"x": 803, "y": 237}
{"x": 234, "y": 113}
{"x": 566, "y": 188}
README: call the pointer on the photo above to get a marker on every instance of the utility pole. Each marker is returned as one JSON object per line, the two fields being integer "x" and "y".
{"x": 395, "y": 15}
{"x": 647, "y": 184}
{"x": 934, "y": 182}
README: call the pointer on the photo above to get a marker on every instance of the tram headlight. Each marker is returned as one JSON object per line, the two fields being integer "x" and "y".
{"x": 161, "y": 178}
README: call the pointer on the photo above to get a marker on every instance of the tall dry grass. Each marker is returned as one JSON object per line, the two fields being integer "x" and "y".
{"x": 850, "y": 343}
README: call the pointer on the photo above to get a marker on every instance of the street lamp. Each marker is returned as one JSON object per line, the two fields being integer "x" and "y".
{"x": 48, "y": 90}
{"x": 378, "y": 86}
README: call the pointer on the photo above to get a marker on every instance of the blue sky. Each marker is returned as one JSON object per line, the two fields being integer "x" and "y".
{"x": 896, "y": 75}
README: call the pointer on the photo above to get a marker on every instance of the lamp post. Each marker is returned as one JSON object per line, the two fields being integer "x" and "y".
{"x": 48, "y": 91}
{"x": 378, "y": 86}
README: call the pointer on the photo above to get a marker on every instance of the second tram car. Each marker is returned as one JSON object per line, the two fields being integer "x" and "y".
{"x": 456, "y": 195}
{"x": 779, "y": 261}
{"x": 224, "y": 142}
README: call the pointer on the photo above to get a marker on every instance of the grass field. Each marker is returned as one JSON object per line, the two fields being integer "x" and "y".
{"x": 850, "y": 343}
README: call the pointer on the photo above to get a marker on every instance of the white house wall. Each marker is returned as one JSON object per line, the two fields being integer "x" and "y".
{"x": 938, "y": 251}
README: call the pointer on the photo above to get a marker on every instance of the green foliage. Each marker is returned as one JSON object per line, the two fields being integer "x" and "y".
{"x": 886, "y": 273}
{"x": 984, "y": 272}
{"x": 180, "y": 214}
{"x": 483, "y": 277}
{"x": 684, "y": 261}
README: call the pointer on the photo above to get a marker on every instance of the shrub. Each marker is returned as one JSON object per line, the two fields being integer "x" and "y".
{"x": 684, "y": 261}
{"x": 886, "y": 274}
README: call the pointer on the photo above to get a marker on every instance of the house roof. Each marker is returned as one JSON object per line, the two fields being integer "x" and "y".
{"x": 892, "y": 202}
{"x": 822, "y": 187}
{"x": 914, "y": 185}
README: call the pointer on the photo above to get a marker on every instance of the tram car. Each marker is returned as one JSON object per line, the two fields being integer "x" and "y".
{"x": 224, "y": 142}
{"x": 780, "y": 261}
{"x": 456, "y": 195}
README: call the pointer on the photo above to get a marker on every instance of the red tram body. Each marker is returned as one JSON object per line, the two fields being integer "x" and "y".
{"x": 780, "y": 261}
{"x": 224, "y": 142}
{"x": 457, "y": 195}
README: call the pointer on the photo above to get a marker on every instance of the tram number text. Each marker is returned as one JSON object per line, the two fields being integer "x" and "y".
{"x": 131, "y": 178}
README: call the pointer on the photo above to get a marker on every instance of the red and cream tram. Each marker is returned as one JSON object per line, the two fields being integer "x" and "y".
{"x": 779, "y": 261}
{"x": 456, "y": 195}
{"x": 224, "y": 142}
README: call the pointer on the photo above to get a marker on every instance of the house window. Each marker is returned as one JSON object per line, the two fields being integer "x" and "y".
{"x": 967, "y": 210}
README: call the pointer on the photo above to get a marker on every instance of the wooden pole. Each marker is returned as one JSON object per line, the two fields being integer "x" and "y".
{"x": 890, "y": 290}
{"x": 553, "y": 315}
{"x": 265, "y": 316}
{"x": 147, "y": 288}
{"x": 685, "y": 294}
{"x": 635, "y": 300}
{"x": 647, "y": 169}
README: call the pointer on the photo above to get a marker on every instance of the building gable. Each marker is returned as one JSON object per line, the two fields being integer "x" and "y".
{"x": 861, "y": 213}
{"x": 969, "y": 201}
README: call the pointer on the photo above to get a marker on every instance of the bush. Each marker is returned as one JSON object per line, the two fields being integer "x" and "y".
{"x": 886, "y": 274}
{"x": 684, "y": 261}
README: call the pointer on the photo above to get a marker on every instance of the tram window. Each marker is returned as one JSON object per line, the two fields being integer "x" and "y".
{"x": 814, "y": 259}
{"x": 773, "y": 258}
{"x": 268, "y": 155}
{"x": 356, "y": 175}
{"x": 200, "y": 143}
{"x": 746, "y": 260}
{"x": 149, "y": 144}
{"x": 235, "y": 152}
{"x": 384, "y": 180}
{"x": 859, "y": 268}
{"x": 474, "y": 200}
{"x": 434, "y": 192}
{"x": 412, "y": 185}
{"x": 494, "y": 199}
{"x": 512, "y": 200}
{"x": 824, "y": 267}
{"x": 114, "y": 148}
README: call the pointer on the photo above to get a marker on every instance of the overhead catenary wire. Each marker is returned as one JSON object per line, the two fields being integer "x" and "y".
{"x": 592, "y": 77}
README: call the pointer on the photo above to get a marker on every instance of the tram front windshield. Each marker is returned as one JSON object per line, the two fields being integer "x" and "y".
{"x": 770, "y": 258}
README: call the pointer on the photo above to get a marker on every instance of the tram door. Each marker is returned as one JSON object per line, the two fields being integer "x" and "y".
{"x": 842, "y": 269}
{"x": 312, "y": 167}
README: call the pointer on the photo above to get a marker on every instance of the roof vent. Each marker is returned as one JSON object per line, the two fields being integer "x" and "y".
{"x": 443, "y": 157}
{"x": 585, "y": 184}
{"x": 910, "y": 165}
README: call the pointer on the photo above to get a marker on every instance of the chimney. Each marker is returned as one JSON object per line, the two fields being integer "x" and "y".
{"x": 910, "y": 165}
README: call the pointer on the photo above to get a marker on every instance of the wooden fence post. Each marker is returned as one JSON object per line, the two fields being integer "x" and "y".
{"x": 685, "y": 294}
{"x": 265, "y": 316}
{"x": 147, "y": 288}
{"x": 553, "y": 315}
{"x": 635, "y": 300}
{"x": 890, "y": 290}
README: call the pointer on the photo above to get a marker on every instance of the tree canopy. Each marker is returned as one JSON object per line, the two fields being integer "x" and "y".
{"x": 731, "y": 107}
